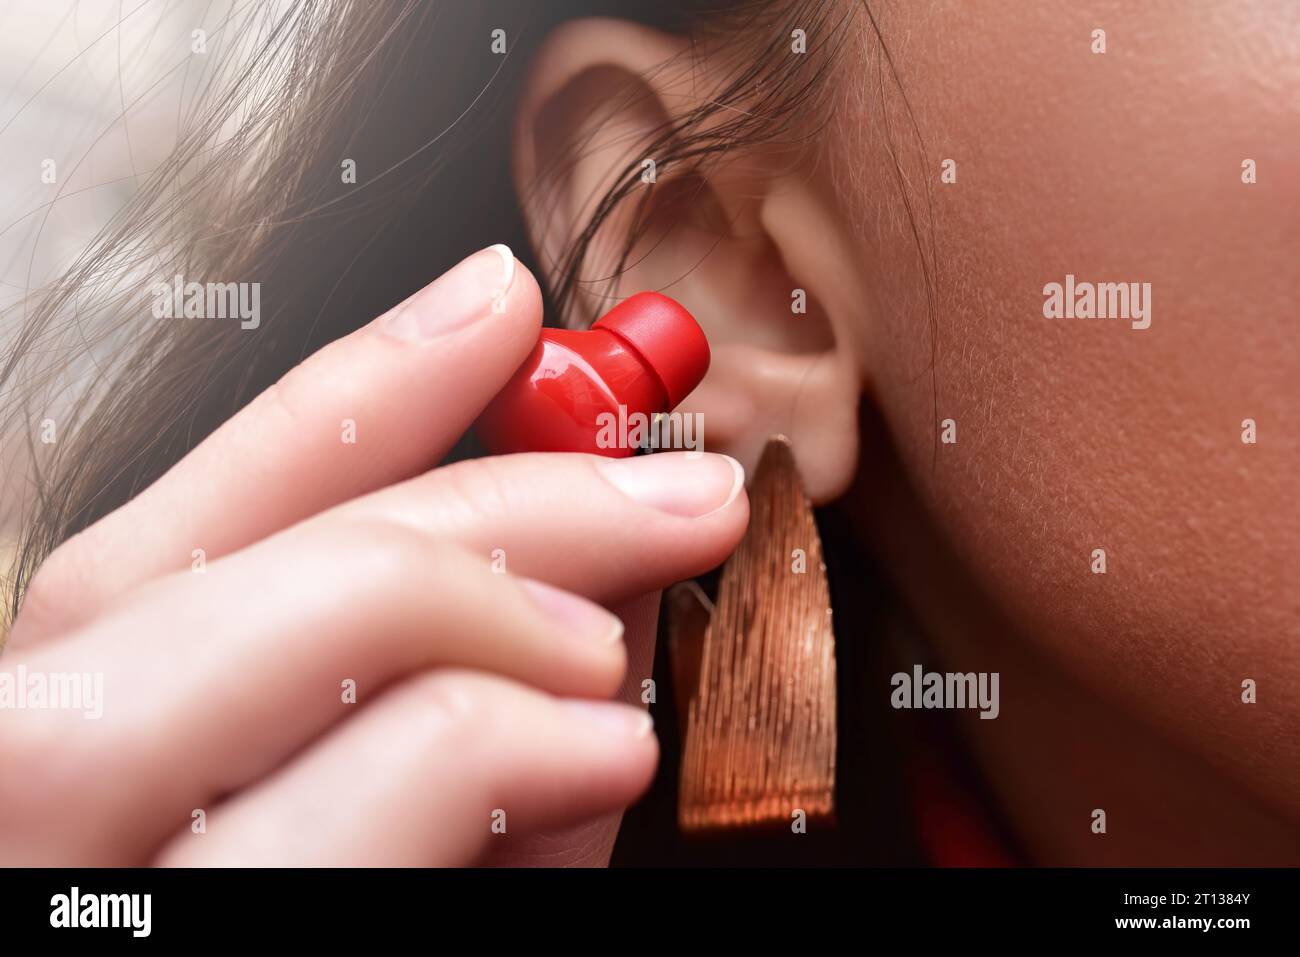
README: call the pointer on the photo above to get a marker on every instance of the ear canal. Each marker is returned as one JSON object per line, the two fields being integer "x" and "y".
{"x": 627, "y": 186}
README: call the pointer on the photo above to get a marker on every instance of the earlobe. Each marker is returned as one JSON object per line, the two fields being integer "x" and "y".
{"x": 748, "y": 241}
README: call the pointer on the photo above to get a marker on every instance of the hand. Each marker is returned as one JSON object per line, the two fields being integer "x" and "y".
{"x": 231, "y": 605}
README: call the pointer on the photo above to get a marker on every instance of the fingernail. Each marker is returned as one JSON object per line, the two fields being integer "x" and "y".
{"x": 680, "y": 483}
{"x": 575, "y": 614}
{"x": 471, "y": 290}
{"x": 624, "y": 720}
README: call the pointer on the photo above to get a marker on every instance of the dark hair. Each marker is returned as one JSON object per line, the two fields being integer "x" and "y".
{"x": 411, "y": 92}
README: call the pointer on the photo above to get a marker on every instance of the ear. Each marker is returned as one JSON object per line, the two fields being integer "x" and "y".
{"x": 748, "y": 242}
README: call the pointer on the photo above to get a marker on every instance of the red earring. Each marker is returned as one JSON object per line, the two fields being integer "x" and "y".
{"x": 645, "y": 355}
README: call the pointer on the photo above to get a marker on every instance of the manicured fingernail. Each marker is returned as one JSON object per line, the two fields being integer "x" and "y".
{"x": 624, "y": 720}
{"x": 680, "y": 483}
{"x": 471, "y": 290}
{"x": 573, "y": 613}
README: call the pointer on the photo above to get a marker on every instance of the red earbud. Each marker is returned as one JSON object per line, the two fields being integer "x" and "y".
{"x": 646, "y": 355}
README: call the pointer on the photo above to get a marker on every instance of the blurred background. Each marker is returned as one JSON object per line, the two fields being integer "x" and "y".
{"x": 92, "y": 93}
{"x": 95, "y": 86}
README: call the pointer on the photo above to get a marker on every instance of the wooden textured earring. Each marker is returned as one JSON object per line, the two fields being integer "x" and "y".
{"x": 757, "y": 669}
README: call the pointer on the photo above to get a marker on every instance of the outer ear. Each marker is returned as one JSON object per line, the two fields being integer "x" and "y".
{"x": 748, "y": 243}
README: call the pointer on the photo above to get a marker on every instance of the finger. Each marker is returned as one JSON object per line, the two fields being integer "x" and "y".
{"x": 609, "y": 529}
{"x": 432, "y": 774}
{"x": 212, "y": 680}
{"x": 590, "y": 843}
{"x": 374, "y": 407}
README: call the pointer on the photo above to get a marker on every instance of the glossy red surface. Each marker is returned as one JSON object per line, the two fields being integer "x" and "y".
{"x": 574, "y": 382}
{"x": 666, "y": 337}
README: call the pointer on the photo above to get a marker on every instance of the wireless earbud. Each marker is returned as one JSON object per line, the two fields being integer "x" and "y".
{"x": 645, "y": 355}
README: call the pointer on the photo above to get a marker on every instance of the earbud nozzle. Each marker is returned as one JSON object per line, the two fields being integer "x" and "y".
{"x": 666, "y": 336}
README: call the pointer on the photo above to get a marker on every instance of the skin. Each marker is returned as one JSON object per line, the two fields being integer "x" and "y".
{"x": 1121, "y": 692}
{"x": 222, "y": 690}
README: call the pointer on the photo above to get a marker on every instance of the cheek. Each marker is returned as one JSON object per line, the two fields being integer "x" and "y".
{"x": 1077, "y": 435}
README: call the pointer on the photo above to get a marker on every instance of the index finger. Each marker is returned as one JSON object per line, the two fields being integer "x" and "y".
{"x": 379, "y": 405}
